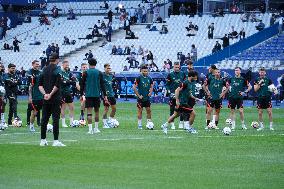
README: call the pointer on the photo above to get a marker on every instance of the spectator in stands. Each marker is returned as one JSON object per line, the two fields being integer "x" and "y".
{"x": 114, "y": 50}
{"x": 150, "y": 56}
{"x": 133, "y": 50}
{"x": 126, "y": 25}
{"x": 188, "y": 57}
{"x": 48, "y": 51}
{"x": 182, "y": 9}
{"x": 54, "y": 11}
{"x": 217, "y": 47}
{"x": 282, "y": 88}
{"x": 122, "y": 10}
{"x": 140, "y": 50}
{"x": 66, "y": 41}
{"x": 280, "y": 27}
{"x": 170, "y": 63}
{"x": 144, "y": 14}
{"x": 245, "y": 17}
{"x": 52, "y": 47}
{"x": 103, "y": 25}
{"x": 166, "y": 67}
{"x": 71, "y": 14}
{"x": 193, "y": 52}
{"x": 126, "y": 50}
{"x": 109, "y": 32}
{"x": 35, "y": 41}
{"x": 132, "y": 15}
{"x": 164, "y": 30}
{"x": 218, "y": 13}
{"x": 16, "y": 44}
{"x": 233, "y": 34}
{"x": 57, "y": 49}
{"x": 139, "y": 14}
{"x": 253, "y": 18}
{"x": 211, "y": 31}
{"x": 119, "y": 50}
{"x": 157, "y": 18}
{"x": 170, "y": 11}
{"x": 130, "y": 35}
{"x": 43, "y": 59}
{"x": 105, "y": 5}
{"x": 28, "y": 19}
{"x": 272, "y": 19}
{"x": 153, "y": 67}
{"x": 110, "y": 15}
{"x": 133, "y": 63}
{"x": 8, "y": 23}
{"x": 242, "y": 34}
{"x": 153, "y": 28}
{"x": 43, "y": 19}
{"x": 95, "y": 32}
{"x": 226, "y": 41}
{"x": 260, "y": 26}
{"x": 7, "y": 47}
{"x": 144, "y": 60}
{"x": 89, "y": 55}
{"x": 125, "y": 69}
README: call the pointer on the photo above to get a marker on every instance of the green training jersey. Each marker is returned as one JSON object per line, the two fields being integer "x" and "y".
{"x": 185, "y": 93}
{"x": 33, "y": 81}
{"x": 237, "y": 85}
{"x": 92, "y": 83}
{"x": 263, "y": 90}
{"x": 67, "y": 82}
{"x": 174, "y": 79}
{"x": 108, "y": 82}
{"x": 143, "y": 84}
{"x": 215, "y": 87}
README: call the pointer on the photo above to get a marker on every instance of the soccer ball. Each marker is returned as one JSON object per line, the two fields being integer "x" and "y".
{"x": 211, "y": 125}
{"x": 2, "y": 90}
{"x": 227, "y": 131}
{"x": 228, "y": 121}
{"x": 82, "y": 123}
{"x": 17, "y": 123}
{"x": 75, "y": 123}
{"x": 49, "y": 128}
{"x": 255, "y": 124}
{"x": 150, "y": 125}
{"x": 115, "y": 123}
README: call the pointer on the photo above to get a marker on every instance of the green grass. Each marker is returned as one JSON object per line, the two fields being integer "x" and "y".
{"x": 130, "y": 158}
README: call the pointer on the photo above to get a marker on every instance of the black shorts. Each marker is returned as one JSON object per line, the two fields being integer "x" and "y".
{"x": 67, "y": 98}
{"x": 217, "y": 104}
{"x": 143, "y": 104}
{"x": 111, "y": 100}
{"x": 191, "y": 102}
{"x": 184, "y": 109}
{"x": 36, "y": 105}
{"x": 92, "y": 102}
{"x": 264, "y": 103}
{"x": 235, "y": 102}
{"x": 172, "y": 102}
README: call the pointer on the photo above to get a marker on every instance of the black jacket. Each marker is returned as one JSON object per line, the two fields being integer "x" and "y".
{"x": 11, "y": 82}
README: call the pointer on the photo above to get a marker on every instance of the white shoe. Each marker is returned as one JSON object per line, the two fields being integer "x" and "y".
{"x": 173, "y": 127}
{"x": 96, "y": 131}
{"x": 233, "y": 127}
{"x": 271, "y": 129}
{"x": 65, "y": 126}
{"x": 57, "y": 143}
{"x": 260, "y": 128}
{"x": 244, "y": 127}
{"x": 91, "y": 132}
{"x": 43, "y": 143}
{"x": 180, "y": 126}
{"x": 106, "y": 126}
{"x": 165, "y": 129}
{"x": 32, "y": 129}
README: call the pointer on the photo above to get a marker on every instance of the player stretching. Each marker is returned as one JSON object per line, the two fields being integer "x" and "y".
{"x": 35, "y": 96}
{"x": 236, "y": 93}
{"x": 183, "y": 95}
{"x": 92, "y": 85}
{"x": 108, "y": 82}
{"x": 144, "y": 84}
{"x": 215, "y": 91}
{"x": 174, "y": 79}
{"x": 84, "y": 67}
{"x": 263, "y": 98}
{"x": 68, "y": 80}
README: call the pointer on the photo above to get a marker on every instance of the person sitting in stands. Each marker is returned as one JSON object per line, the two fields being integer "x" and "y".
{"x": 114, "y": 50}
{"x": 35, "y": 41}
{"x": 217, "y": 47}
{"x": 245, "y": 17}
{"x": 7, "y": 47}
{"x": 54, "y": 11}
{"x": 66, "y": 41}
{"x": 103, "y": 25}
{"x": 119, "y": 50}
{"x": 260, "y": 26}
{"x": 130, "y": 35}
{"x": 140, "y": 50}
{"x": 153, "y": 28}
{"x": 253, "y": 18}
{"x": 164, "y": 29}
{"x": 89, "y": 55}
{"x": 95, "y": 32}
{"x": 126, "y": 51}
{"x": 242, "y": 34}
{"x": 234, "y": 34}
{"x": 71, "y": 14}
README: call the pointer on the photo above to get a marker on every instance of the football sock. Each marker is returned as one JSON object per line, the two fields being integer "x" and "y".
{"x": 261, "y": 124}
{"x": 96, "y": 125}
{"x": 213, "y": 118}
{"x": 187, "y": 125}
{"x": 270, "y": 124}
{"x": 2, "y": 117}
{"x": 172, "y": 124}
{"x": 90, "y": 127}
{"x": 139, "y": 122}
{"x": 82, "y": 112}
{"x": 208, "y": 121}
{"x": 71, "y": 120}
{"x": 105, "y": 121}
{"x": 31, "y": 125}
{"x": 216, "y": 123}
{"x": 233, "y": 123}
{"x": 63, "y": 121}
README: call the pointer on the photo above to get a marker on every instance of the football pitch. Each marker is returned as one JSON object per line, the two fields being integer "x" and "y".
{"x": 126, "y": 157}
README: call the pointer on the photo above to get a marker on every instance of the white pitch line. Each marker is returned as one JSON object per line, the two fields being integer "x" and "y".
{"x": 116, "y": 139}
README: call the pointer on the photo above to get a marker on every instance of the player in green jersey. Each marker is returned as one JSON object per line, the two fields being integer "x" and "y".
{"x": 84, "y": 67}
{"x": 263, "y": 98}
{"x": 143, "y": 88}
{"x": 236, "y": 94}
{"x": 215, "y": 89}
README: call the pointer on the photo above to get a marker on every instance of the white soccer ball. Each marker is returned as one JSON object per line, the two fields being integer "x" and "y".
{"x": 227, "y": 131}
{"x": 211, "y": 125}
{"x": 82, "y": 123}
{"x": 49, "y": 128}
{"x": 17, "y": 123}
{"x": 254, "y": 124}
{"x": 75, "y": 123}
{"x": 150, "y": 125}
{"x": 229, "y": 121}
{"x": 2, "y": 90}
{"x": 115, "y": 123}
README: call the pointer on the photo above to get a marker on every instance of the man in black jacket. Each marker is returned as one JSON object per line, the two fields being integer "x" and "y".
{"x": 11, "y": 87}
{"x": 49, "y": 86}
